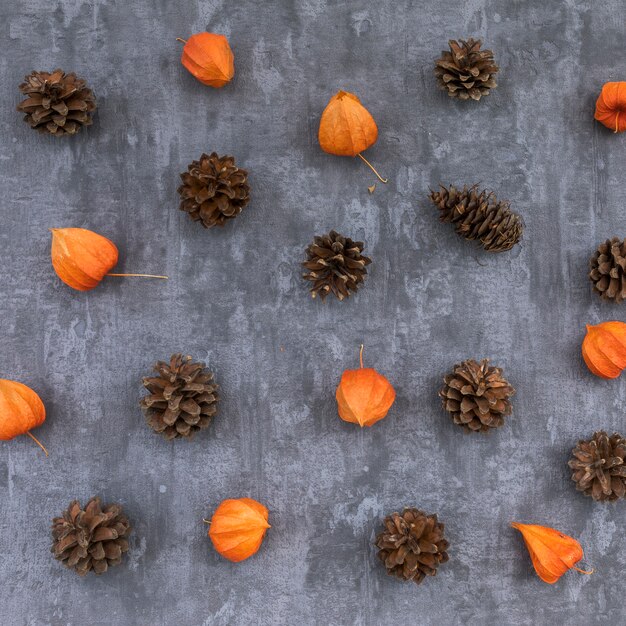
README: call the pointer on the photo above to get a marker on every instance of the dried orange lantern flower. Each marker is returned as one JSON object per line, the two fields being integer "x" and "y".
{"x": 552, "y": 553}
{"x": 364, "y": 396}
{"x": 604, "y": 349}
{"x": 209, "y": 58}
{"x": 21, "y": 410}
{"x": 82, "y": 258}
{"x": 611, "y": 106}
{"x": 347, "y": 128}
{"x": 238, "y": 527}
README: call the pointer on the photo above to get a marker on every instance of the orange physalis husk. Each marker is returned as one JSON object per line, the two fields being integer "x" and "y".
{"x": 209, "y": 58}
{"x": 364, "y": 396}
{"x": 551, "y": 552}
{"x": 347, "y": 128}
{"x": 604, "y": 349}
{"x": 82, "y": 258}
{"x": 611, "y": 106}
{"x": 238, "y": 527}
{"x": 21, "y": 410}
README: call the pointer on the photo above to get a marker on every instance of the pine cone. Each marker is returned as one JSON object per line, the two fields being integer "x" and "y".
{"x": 183, "y": 397}
{"x": 477, "y": 396}
{"x": 93, "y": 538}
{"x": 479, "y": 216}
{"x": 466, "y": 71}
{"x": 600, "y": 466}
{"x": 608, "y": 267}
{"x": 57, "y": 103}
{"x": 214, "y": 190}
{"x": 335, "y": 265}
{"x": 412, "y": 545}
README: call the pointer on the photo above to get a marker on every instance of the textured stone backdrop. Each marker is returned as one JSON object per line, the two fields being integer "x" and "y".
{"x": 235, "y": 298}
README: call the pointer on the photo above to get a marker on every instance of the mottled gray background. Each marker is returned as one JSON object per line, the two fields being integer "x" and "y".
{"x": 235, "y": 299}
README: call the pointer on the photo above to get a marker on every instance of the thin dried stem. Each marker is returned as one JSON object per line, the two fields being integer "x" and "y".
{"x": 380, "y": 178}
{"x": 140, "y": 275}
{"x": 206, "y": 521}
{"x": 361, "y": 356}
{"x": 181, "y": 40}
{"x": 582, "y": 571}
{"x": 37, "y": 442}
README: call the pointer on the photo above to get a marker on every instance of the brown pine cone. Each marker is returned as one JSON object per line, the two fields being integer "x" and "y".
{"x": 412, "y": 545}
{"x": 608, "y": 270}
{"x": 479, "y": 216}
{"x": 214, "y": 190}
{"x": 90, "y": 539}
{"x": 56, "y": 103}
{"x": 335, "y": 265}
{"x": 600, "y": 466}
{"x": 183, "y": 398}
{"x": 477, "y": 396}
{"x": 466, "y": 71}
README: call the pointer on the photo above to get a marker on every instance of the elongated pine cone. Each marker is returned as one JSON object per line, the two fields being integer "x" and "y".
{"x": 477, "y": 396}
{"x": 600, "y": 466}
{"x": 90, "y": 539}
{"x": 335, "y": 265}
{"x": 183, "y": 397}
{"x": 478, "y": 215}
{"x": 466, "y": 71}
{"x": 214, "y": 190}
{"x": 412, "y": 545}
{"x": 56, "y": 103}
{"x": 608, "y": 270}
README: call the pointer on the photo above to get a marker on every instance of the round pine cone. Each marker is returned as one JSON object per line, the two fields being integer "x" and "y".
{"x": 466, "y": 71}
{"x": 335, "y": 265}
{"x": 600, "y": 466}
{"x": 412, "y": 545}
{"x": 477, "y": 396}
{"x": 183, "y": 397}
{"x": 608, "y": 267}
{"x": 56, "y": 103}
{"x": 93, "y": 538}
{"x": 214, "y": 190}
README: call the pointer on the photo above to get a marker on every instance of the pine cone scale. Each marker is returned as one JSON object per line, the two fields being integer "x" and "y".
{"x": 170, "y": 417}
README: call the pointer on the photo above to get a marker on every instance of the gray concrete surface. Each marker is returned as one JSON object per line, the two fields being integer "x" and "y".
{"x": 236, "y": 299}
